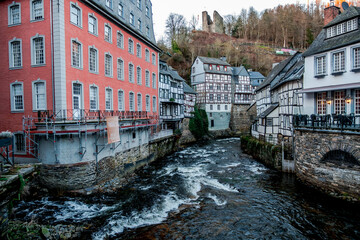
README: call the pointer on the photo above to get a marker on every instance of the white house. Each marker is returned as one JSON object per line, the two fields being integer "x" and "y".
{"x": 211, "y": 79}
{"x": 332, "y": 67}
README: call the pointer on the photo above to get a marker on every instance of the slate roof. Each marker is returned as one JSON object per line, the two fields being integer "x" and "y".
{"x": 268, "y": 110}
{"x": 321, "y": 44}
{"x": 217, "y": 61}
{"x": 175, "y": 75}
{"x": 274, "y": 72}
{"x": 256, "y": 75}
{"x": 239, "y": 71}
{"x": 294, "y": 70}
{"x": 188, "y": 89}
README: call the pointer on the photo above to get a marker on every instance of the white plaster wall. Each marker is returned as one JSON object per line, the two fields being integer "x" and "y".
{"x": 348, "y": 77}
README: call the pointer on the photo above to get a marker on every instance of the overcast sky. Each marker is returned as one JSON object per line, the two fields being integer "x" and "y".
{"x": 188, "y": 8}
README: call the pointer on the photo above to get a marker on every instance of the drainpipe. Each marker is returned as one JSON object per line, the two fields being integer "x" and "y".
{"x": 52, "y": 56}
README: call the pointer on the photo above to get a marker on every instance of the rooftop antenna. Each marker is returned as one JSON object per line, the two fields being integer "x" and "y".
{"x": 345, "y": 5}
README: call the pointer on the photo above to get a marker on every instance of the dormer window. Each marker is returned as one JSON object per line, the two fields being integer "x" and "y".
{"x": 210, "y": 67}
{"x": 342, "y": 28}
{"x": 218, "y": 67}
{"x": 225, "y": 68}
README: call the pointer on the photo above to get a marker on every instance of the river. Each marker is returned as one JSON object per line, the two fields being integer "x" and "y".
{"x": 207, "y": 191}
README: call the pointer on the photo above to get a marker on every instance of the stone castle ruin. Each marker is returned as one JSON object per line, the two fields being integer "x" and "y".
{"x": 213, "y": 26}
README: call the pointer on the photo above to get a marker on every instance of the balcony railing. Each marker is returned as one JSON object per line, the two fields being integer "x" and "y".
{"x": 333, "y": 121}
{"x": 88, "y": 115}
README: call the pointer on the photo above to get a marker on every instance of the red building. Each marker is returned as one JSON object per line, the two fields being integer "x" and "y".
{"x": 75, "y": 60}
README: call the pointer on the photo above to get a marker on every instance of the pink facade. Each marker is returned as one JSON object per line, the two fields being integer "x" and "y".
{"x": 45, "y": 57}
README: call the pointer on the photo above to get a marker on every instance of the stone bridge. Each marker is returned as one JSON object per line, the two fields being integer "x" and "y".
{"x": 330, "y": 161}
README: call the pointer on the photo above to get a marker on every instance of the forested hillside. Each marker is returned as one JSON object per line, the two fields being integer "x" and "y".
{"x": 250, "y": 38}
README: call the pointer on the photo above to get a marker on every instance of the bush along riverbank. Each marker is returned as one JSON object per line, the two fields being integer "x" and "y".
{"x": 268, "y": 154}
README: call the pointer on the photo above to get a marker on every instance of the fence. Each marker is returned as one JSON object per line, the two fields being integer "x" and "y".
{"x": 333, "y": 121}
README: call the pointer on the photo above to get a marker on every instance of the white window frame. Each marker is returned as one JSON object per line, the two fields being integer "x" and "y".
{"x": 92, "y": 16}
{"x": 147, "y": 55}
{"x": 147, "y": 31}
{"x": 153, "y": 59}
{"x": 96, "y": 59}
{"x": 12, "y": 97}
{"x": 139, "y": 102}
{"x": 121, "y": 67}
{"x": 34, "y": 95}
{"x": 132, "y": 19}
{"x": 107, "y": 26}
{"x": 147, "y": 103}
{"x": 147, "y": 11}
{"x": 131, "y": 76}
{"x": 138, "y": 4}
{"x": 324, "y": 65}
{"x": 10, "y": 15}
{"x": 108, "y": 3}
{"x": 131, "y": 46}
{"x": 80, "y": 54}
{"x": 153, "y": 80}
{"x": 353, "y": 62}
{"x": 11, "y": 55}
{"x": 33, "y": 53}
{"x": 138, "y": 75}
{"x": 154, "y": 103}
{"x": 342, "y": 61}
{"x": 76, "y": 6}
{"x": 121, "y": 10}
{"x": 121, "y": 105}
{"x": 97, "y": 97}
{"x": 120, "y": 39}
{"x": 132, "y": 106}
{"x": 139, "y": 24}
{"x": 111, "y": 64}
{"x": 81, "y": 103}
{"x": 147, "y": 78}
{"x": 138, "y": 50}
{"x": 32, "y": 13}
{"x": 109, "y": 89}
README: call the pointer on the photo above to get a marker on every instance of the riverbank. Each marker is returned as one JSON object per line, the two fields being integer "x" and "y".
{"x": 210, "y": 190}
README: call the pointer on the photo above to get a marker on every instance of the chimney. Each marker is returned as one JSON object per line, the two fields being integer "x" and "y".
{"x": 330, "y": 13}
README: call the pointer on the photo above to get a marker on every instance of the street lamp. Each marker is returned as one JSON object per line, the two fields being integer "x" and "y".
{"x": 348, "y": 99}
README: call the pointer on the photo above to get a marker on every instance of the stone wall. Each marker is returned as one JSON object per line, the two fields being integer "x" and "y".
{"x": 319, "y": 164}
{"x": 214, "y": 26}
{"x": 88, "y": 174}
{"x": 186, "y": 136}
{"x": 241, "y": 118}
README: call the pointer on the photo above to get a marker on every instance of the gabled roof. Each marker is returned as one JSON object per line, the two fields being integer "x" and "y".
{"x": 188, "y": 89}
{"x": 216, "y": 61}
{"x": 256, "y": 75}
{"x": 175, "y": 75}
{"x": 240, "y": 71}
{"x": 268, "y": 110}
{"x": 321, "y": 44}
{"x": 289, "y": 71}
{"x": 274, "y": 72}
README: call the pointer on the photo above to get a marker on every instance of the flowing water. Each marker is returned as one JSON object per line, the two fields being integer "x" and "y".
{"x": 207, "y": 191}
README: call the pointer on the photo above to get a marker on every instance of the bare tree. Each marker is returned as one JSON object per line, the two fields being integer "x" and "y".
{"x": 175, "y": 25}
{"x": 194, "y": 22}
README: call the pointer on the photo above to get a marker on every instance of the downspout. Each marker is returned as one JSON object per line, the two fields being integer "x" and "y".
{"x": 52, "y": 57}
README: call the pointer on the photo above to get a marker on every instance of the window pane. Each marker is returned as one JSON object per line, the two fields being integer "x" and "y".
{"x": 93, "y": 60}
{"x": 76, "y": 54}
{"x": 18, "y": 97}
{"x": 39, "y": 50}
{"x": 356, "y": 57}
{"x": 93, "y": 98}
{"x": 40, "y": 95}
{"x": 108, "y": 61}
{"x": 75, "y": 15}
{"x": 37, "y": 9}
{"x": 121, "y": 100}
{"x": 120, "y": 69}
{"x": 15, "y": 14}
{"x": 16, "y": 54}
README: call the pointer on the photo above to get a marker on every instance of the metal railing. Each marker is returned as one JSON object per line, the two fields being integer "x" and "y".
{"x": 329, "y": 121}
{"x": 83, "y": 115}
